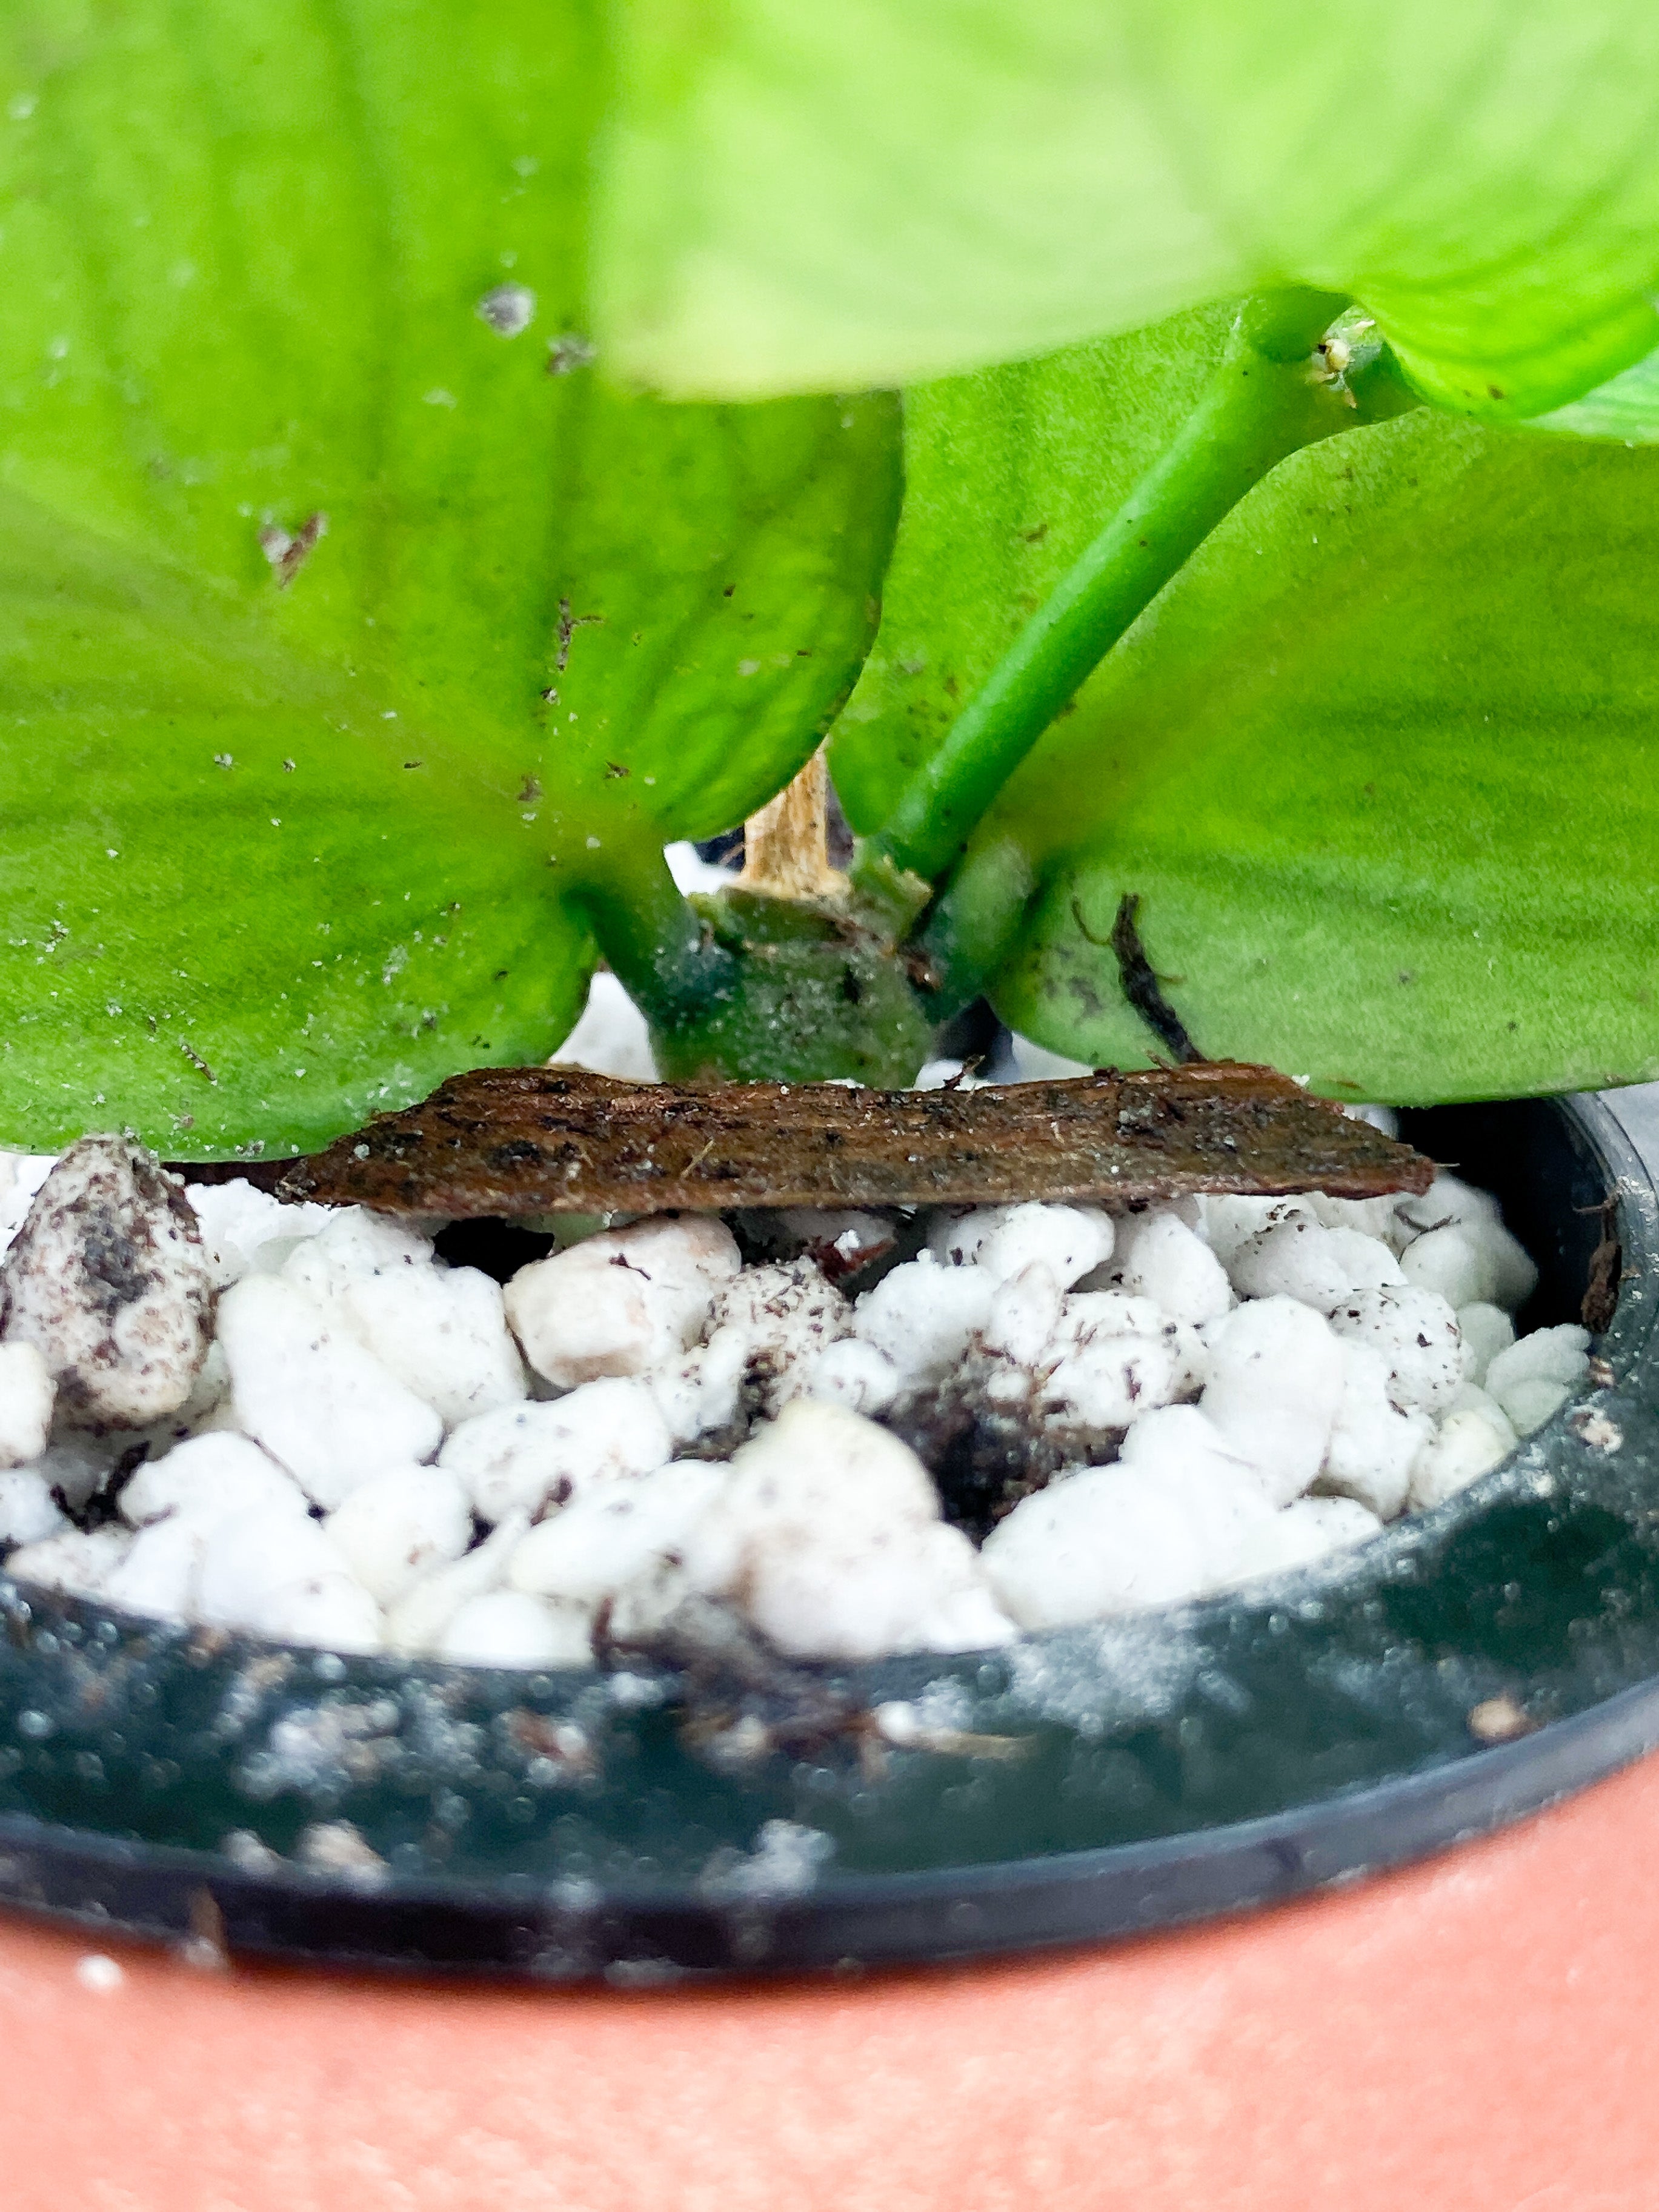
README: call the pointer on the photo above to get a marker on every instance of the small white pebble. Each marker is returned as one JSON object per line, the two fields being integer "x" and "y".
{"x": 853, "y": 1374}
{"x": 1087, "y": 1314}
{"x": 1024, "y": 1315}
{"x": 507, "y": 1628}
{"x": 1178, "y": 1446}
{"x": 206, "y": 1478}
{"x": 1161, "y": 1258}
{"x": 28, "y": 1512}
{"x": 100, "y": 1973}
{"x": 1466, "y": 1445}
{"x": 354, "y": 1245}
{"x": 1320, "y": 1266}
{"x": 1276, "y": 1385}
{"x": 606, "y": 1537}
{"x": 1515, "y": 1269}
{"x": 623, "y": 1302}
{"x": 27, "y": 1392}
{"x": 418, "y": 1618}
{"x": 399, "y": 1525}
{"x": 1416, "y": 1331}
{"x": 534, "y": 1455}
{"x": 1108, "y": 1540}
{"x": 161, "y": 1571}
{"x": 1471, "y": 1399}
{"x": 1225, "y": 1222}
{"x": 1448, "y": 1198}
{"x": 76, "y": 1560}
{"x": 331, "y": 1611}
{"x": 443, "y": 1333}
{"x": 1309, "y": 1529}
{"x": 612, "y": 1037}
{"x": 108, "y": 1279}
{"x": 1503, "y": 1260}
{"x": 1487, "y": 1330}
{"x": 1105, "y": 1382}
{"x": 922, "y": 1317}
{"x": 1373, "y": 1444}
{"x": 1559, "y": 1355}
{"x": 236, "y": 1219}
{"x": 704, "y": 1390}
{"x": 817, "y": 1471}
{"x": 1530, "y": 1405}
{"x": 322, "y": 1406}
{"x": 249, "y": 1559}
{"x": 772, "y": 1322}
{"x": 1453, "y": 1262}
{"x": 1371, "y": 1216}
{"x": 1070, "y": 1240}
{"x": 859, "y": 1594}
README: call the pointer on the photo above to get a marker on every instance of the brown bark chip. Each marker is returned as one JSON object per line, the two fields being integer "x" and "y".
{"x": 529, "y": 1140}
{"x": 108, "y": 1278}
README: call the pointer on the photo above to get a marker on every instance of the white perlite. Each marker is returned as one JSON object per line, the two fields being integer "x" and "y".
{"x": 541, "y": 1456}
{"x": 108, "y": 1279}
{"x": 27, "y": 1393}
{"x": 381, "y": 1452}
{"x": 622, "y": 1303}
{"x": 321, "y": 1405}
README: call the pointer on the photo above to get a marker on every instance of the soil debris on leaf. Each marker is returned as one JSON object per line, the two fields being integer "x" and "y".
{"x": 513, "y": 1142}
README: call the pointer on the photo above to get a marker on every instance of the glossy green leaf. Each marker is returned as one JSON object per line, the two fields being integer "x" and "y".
{"x": 244, "y": 252}
{"x": 1383, "y": 765}
{"x": 885, "y": 191}
{"x": 1626, "y": 409}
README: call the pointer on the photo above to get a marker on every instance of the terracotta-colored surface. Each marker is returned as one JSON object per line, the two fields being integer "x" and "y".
{"x": 1479, "y": 2034}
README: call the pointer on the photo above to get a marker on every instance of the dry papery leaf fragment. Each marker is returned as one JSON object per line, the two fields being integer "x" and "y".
{"x": 513, "y": 1142}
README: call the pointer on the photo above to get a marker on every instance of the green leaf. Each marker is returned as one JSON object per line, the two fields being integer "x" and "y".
{"x": 887, "y": 190}
{"x": 1627, "y": 408}
{"x": 1382, "y": 764}
{"x": 244, "y": 254}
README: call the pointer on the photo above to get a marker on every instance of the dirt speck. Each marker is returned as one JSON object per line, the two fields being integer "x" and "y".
{"x": 1499, "y": 1720}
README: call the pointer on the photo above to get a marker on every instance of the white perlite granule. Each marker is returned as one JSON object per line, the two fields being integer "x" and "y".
{"x": 380, "y": 1451}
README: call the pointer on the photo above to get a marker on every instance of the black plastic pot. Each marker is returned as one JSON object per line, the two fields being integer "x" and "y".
{"x": 561, "y": 1827}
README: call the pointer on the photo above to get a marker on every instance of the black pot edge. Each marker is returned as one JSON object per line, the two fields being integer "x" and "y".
{"x": 415, "y": 1931}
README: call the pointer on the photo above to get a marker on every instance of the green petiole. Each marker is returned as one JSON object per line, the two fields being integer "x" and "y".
{"x": 1292, "y": 375}
{"x": 1273, "y": 393}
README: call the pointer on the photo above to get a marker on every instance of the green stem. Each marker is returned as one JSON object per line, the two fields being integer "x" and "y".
{"x": 1271, "y": 395}
{"x": 807, "y": 1000}
{"x": 656, "y": 942}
